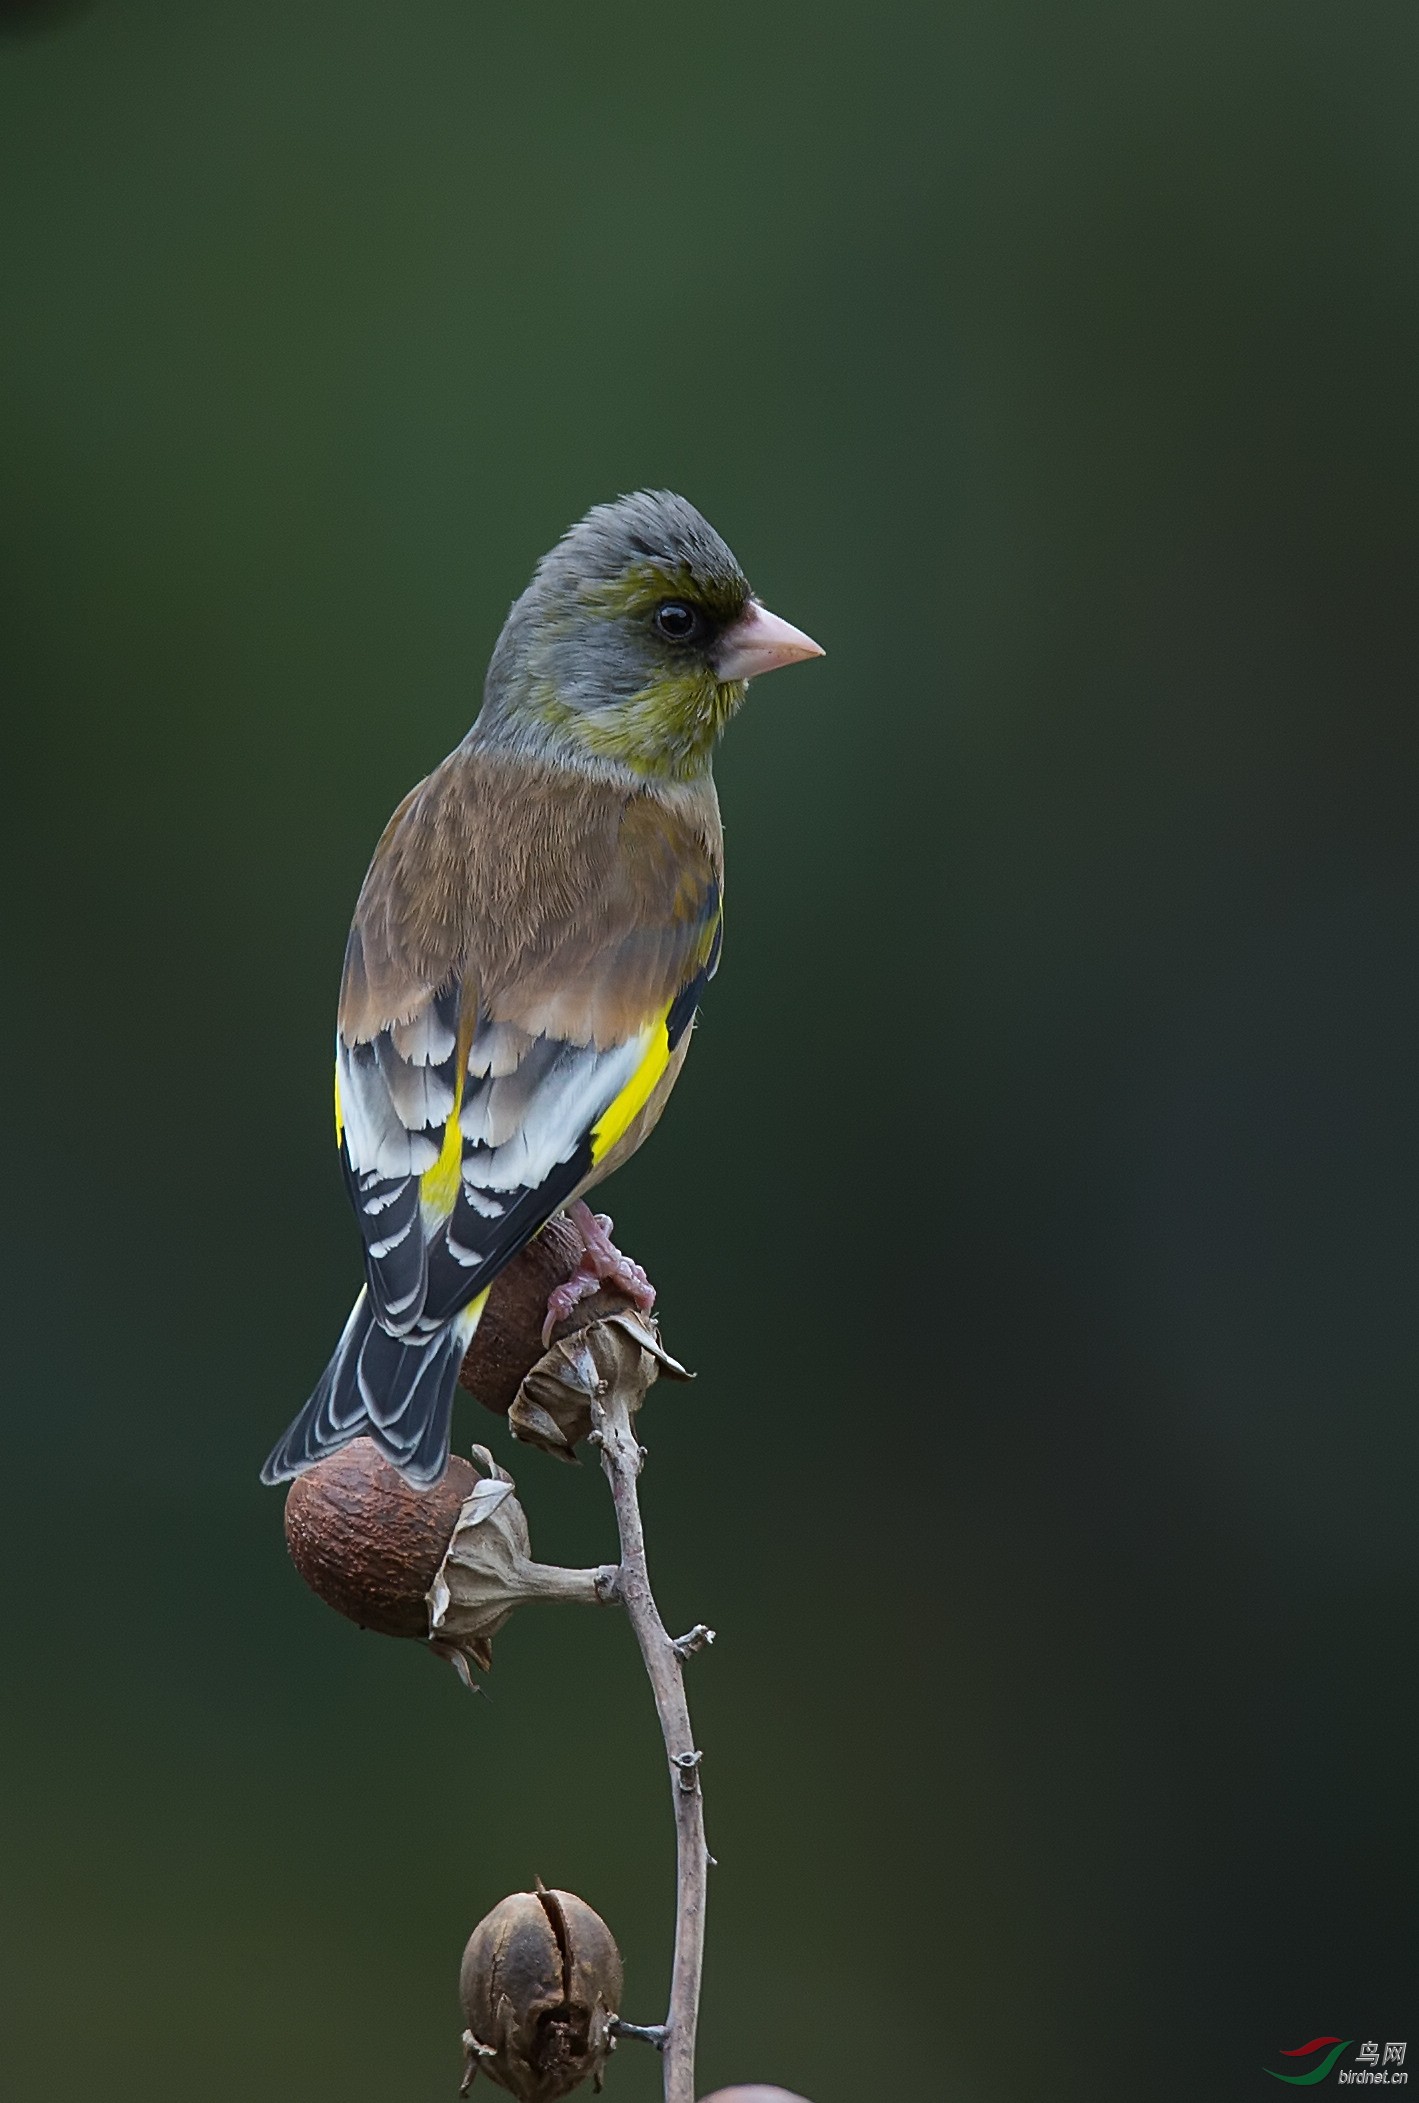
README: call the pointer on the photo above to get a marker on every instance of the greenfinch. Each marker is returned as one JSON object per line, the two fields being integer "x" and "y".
{"x": 534, "y": 934}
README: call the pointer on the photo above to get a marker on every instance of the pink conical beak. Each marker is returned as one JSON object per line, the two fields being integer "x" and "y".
{"x": 759, "y": 642}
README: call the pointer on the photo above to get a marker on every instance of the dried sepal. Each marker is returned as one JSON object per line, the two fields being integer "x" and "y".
{"x": 487, "y": 1570}
{"x": 540, "y": 1983}
{"x": 552, "y": 1408}
{"x": 507, "y": 1346}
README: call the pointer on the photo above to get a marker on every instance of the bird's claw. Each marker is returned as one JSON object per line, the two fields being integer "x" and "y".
{"x": 602, "y": 1263}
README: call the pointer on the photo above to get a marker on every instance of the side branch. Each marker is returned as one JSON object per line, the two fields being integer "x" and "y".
{"x": 621, "y": 1457}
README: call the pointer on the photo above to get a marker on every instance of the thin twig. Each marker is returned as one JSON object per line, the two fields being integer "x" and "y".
{"x": 621, "y": 1457}
{"x": 646, "y": 2033}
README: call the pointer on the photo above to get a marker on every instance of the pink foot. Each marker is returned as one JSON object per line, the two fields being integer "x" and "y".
{"x": 602, "y": 1264}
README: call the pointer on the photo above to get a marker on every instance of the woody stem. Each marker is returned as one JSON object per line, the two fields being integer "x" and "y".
{"x": 621, "y": 1457}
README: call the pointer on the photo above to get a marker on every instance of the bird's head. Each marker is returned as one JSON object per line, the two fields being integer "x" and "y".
{"x": 634, "y": 643}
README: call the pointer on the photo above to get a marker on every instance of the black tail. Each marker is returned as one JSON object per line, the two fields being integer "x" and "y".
{"x": 377, "y": 1386}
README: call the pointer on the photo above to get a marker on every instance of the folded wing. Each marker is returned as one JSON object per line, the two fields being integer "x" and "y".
{"x": 483, "y": 1068}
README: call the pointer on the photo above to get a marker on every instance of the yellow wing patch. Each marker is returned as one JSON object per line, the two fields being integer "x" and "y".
{"x": 439, "y": 1185}
{"x": 617, "y": 1119}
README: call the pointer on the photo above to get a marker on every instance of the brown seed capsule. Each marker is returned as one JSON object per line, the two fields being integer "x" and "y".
{"x": 539, "y": 1985}
{"x": 508, "y": 1340}
{"x": 447, "y": 1564}
{"x": 367, "y": 1542}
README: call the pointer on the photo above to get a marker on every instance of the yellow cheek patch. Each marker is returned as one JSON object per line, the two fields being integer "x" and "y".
{"x": 616, "y": 1121}
{"x": 339, "y": 1114}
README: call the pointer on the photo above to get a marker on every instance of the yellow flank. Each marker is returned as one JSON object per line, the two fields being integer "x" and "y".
{"x": 617, "y": 1119}
{"x": 438, "y": 1186}
{"x": 339, "y": 1114}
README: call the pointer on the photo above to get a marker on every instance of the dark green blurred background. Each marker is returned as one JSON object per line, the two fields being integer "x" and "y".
{"x": 1039, "y": 1207}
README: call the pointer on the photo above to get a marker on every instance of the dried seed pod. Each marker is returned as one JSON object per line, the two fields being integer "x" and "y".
{"x": 507, "y": 1342}
{"x": 552, "y": 1408}
{"x": 367, "y": 1542}
{"x": 539, "y": 1985}
{"x": 446, "y": 1565}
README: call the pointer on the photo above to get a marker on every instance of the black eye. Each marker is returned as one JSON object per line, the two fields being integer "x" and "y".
{"x": 677, "y": 622}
